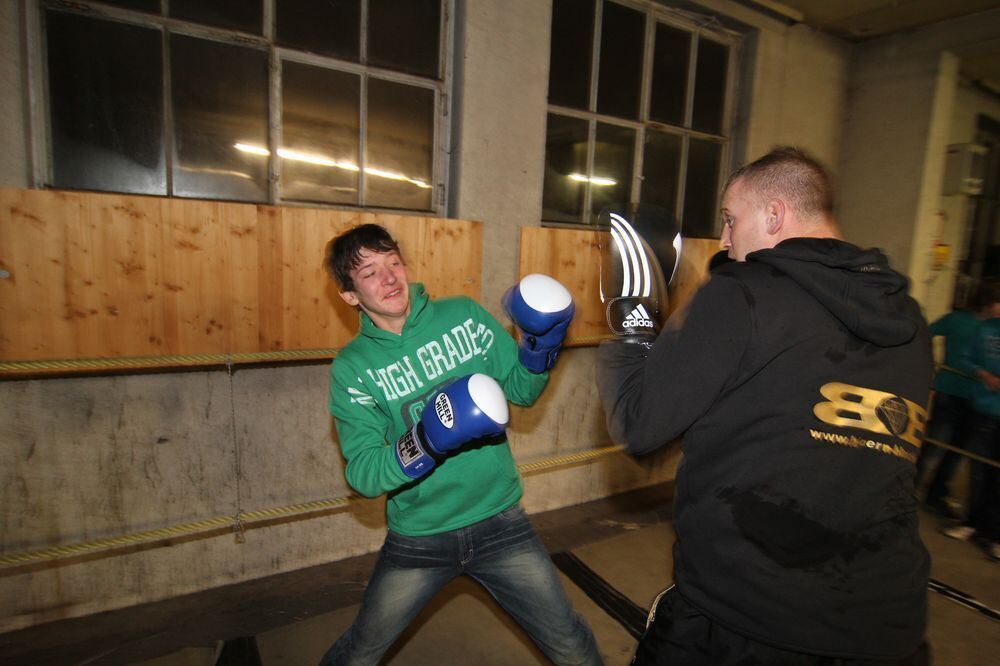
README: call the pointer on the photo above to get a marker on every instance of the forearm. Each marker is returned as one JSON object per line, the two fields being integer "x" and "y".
{"x": 652, "y": 396}
{"x": 523, "y": 387}
{"x": 374, "y": 471}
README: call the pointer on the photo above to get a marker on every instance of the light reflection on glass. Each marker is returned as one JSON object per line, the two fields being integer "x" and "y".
{"x": 593, "y": 180}
{"x": 320, "y": 160}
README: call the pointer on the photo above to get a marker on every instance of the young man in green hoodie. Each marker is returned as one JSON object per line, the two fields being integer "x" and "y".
{"x": 419, "y": 398}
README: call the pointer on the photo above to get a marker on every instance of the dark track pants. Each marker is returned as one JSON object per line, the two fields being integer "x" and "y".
{"x": 680, "y": 635}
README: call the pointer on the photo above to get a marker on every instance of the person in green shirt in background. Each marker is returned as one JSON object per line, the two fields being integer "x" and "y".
{"x": 419, "y": 398}
{"x": 953, "y": 389}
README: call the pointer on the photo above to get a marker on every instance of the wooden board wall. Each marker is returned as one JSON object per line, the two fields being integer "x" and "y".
{"x": 91, "y": 276}
{"x": 573, "y": 257}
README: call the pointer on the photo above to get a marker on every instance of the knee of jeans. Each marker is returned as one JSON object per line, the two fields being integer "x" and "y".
{"x": 575, "y": 646}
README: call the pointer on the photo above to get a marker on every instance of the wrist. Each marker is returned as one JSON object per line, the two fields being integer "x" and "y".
{"x": 415, "y": 455}
{"x": 537, "y": 361}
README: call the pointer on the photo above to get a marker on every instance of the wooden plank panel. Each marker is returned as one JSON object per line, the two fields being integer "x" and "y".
{"x": 693, "y": 269}
{"x": 31, "y": 252}
{"x": 125, "y": 242}
{"x": 102, "y": 276}
{"x": 573, "y": 257}
{"x": 311, "y": 313}
{"x": 196, "y": 275}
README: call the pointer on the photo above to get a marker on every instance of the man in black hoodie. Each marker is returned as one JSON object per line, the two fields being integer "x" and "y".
{"x": 798, "y": 380}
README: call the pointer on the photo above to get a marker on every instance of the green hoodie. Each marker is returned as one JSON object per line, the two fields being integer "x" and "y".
{"x": 379, "y": 384}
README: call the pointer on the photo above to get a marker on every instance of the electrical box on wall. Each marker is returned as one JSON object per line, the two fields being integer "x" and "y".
{"x": 965, "y": 169}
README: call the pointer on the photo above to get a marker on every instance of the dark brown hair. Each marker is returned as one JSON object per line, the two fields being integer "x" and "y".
{"x": 343, "y": 253}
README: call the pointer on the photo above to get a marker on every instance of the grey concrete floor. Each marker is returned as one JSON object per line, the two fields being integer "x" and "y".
{"x": 292, "y": 619}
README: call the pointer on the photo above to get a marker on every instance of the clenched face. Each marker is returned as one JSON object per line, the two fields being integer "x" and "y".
{"x": 746, "y": 223}
{"x": 381, "y": 289}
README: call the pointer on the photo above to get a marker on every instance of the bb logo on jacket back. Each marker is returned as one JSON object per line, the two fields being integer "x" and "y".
{"x": 875, "y": 411}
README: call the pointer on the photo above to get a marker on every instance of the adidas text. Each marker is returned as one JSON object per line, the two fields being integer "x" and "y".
{"x": 638, "y": 318}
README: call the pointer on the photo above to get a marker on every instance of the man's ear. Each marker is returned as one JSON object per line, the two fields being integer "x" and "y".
{"x": 775, "y": 211}
{"x": 350, "y": 298}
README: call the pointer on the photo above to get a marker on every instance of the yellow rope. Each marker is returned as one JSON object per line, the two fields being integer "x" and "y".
{"x": 181, "y": 360}
{"x": 583, "y": 456}
{"x": 244, "y": 518}
{"x": 962, "y": 452}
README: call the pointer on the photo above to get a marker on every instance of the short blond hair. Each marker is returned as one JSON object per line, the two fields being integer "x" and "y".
{"x": 790, "y": 174}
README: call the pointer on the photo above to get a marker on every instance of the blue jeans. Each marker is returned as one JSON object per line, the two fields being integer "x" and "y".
{"x": 983, "y": 438}
{"x": 503, "y": 554}
{"x": 948, "y": 418}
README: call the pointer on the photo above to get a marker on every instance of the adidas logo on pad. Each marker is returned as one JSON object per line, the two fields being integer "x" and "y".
{"x": 638, "y": 318}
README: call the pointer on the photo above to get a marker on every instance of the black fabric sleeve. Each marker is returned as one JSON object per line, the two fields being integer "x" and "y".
{"x": 651, "y": 396}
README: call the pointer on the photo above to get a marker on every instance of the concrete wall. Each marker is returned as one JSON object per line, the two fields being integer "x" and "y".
{"x": 956, "y": 209}
{"x": 92, "y": 457}
{"x": 898, "y": 125}
{"x": 886, "y": 142}
{"x": 798, "y": 93}
{"x": 14, "y": 165}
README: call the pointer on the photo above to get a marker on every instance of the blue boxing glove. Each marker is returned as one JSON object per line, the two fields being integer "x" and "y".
{"x": 463, "y": 411}
{"x": 541, "y": 309}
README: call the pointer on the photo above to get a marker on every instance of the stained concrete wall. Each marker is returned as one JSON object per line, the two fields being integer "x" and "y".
{"x": 798, "y": 93}
{"x": 956, "y": 209}
{"x": 91, "y": 457}
{"x": 894, "y": 141}
{"x": 898, "y": 124}
{"x": 14, "y": 167}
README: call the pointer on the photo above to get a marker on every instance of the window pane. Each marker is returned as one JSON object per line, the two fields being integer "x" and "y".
{"x": 149, "y": 6}
{"x": 219, "y": 95}
{"x": 403, "y": 35}
{"x": 661, "y": 164}
{"x": 570, "y": 49}
{"x": 710, "y": 86}
{"x": 400, "y": 146}
{"x": 329, "y": 28}
{"x": 621, "y": 61}
{"x": 319, "y": 134}
{"x": 565, "y": 169}
{"x": 702, "y": 189}
{"x": 670, "y": 74}
{"x": 106, "y": 105}
{"x": 245, "y": 15}
{"x": 614, "y": 157}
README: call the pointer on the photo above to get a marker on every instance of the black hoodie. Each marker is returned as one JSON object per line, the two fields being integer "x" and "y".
{"x": 798, "y": 381}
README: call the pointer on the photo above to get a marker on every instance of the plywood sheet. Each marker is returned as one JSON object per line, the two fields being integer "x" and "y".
{"x": 573, "y": 257}
{"x": 98, "y": 276}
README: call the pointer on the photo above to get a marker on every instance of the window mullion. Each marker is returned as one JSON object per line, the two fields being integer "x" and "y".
{"x": 595, "y": 65}
{"x": 168, "y": 112}
{"x": 363, "y": 106}
{"x": 591, "y": 149}
{"x": 274, "y": 127}
{"x": 688, "y": 120}
{"x": 646, "y": 86}
{"x": 268, "y": 18}
{"x": 692, "y": 71}
{"x": 40, "y": 150}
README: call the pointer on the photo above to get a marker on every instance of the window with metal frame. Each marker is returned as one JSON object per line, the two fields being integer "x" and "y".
{"x": 276, "y": 101}
{"x": 640, "y": 101}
